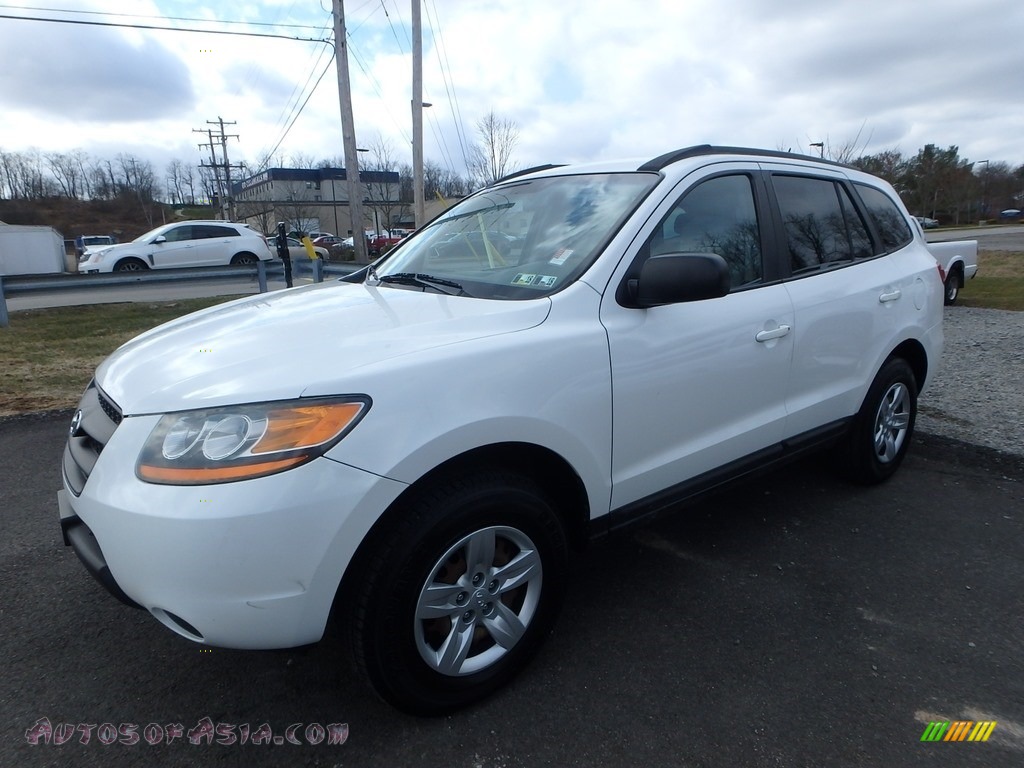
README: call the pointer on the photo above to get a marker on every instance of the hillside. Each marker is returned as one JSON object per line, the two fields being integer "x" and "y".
{"x": 125, "y": 219}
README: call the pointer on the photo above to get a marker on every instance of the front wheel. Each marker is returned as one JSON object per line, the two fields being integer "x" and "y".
{"x": 130, "y": 265}
{"x": 462, "y": 593}
{"x": 881, "y": 432}
{"x": 243, "y": 259}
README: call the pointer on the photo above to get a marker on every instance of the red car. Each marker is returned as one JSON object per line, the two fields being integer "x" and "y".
{"x": 380, "y": 243}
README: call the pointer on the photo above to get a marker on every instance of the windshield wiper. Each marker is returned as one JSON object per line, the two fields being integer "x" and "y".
{"x": 449, "y": 287}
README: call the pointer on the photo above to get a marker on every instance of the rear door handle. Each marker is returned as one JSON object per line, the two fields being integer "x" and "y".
{"x": 774, "y": 333}
{"x": 890, "y": 295}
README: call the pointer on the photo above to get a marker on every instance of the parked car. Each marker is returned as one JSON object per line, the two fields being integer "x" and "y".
{"x": 1010, "y": 213}
{"x": 84, "y": 243}
{"x": 183, "y": 244}
{"x": 296, "y": 250}
{"x": 327, "y": 241}
{"x": 927, "y": 223}
{"x": 423, "y": 472}
{"x": 380, "y": 243}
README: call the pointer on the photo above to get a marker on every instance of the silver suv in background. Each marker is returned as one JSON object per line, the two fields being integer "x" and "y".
{"x": 183, "y": 244}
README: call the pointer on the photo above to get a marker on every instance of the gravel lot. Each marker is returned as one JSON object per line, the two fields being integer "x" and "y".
{"x": 978, "y": 396}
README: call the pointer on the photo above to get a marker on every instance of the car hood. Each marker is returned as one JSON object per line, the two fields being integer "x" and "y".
{"x": 315, "y": 340}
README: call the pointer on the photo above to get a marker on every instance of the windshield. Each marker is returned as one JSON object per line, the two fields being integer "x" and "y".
{"x": 520, "y": 240}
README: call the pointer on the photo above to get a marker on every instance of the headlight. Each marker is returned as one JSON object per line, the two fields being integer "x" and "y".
{"x": 221, "y": 445}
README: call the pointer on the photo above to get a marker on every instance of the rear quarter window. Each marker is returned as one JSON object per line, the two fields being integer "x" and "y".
{"x": 888, "y": 220}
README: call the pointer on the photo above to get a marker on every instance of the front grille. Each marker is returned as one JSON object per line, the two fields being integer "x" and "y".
{"x": 112, "y": 411}
{"x": 99, "y": 418}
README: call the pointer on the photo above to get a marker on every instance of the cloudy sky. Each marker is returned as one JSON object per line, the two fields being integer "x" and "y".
{"x": 583, "y": 79}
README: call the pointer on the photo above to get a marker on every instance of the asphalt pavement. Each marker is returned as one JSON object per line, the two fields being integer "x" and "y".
{"x": 795, "y": 621}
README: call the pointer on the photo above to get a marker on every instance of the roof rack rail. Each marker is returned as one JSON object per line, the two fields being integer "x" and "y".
{"x": 668, "y": 158}
{"x": 525, "y": 171}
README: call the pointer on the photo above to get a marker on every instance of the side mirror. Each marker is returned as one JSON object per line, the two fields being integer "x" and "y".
{"x": 672, "y": 278}
{"x": 158, "y": 240}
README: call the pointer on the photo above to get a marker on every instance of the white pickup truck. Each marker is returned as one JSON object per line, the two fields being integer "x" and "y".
{"x": 959, "y": 262}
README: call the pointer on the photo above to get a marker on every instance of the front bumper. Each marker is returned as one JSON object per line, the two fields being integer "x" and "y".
{"x": 250, "y": 564}
{"x": 78, "y": 536}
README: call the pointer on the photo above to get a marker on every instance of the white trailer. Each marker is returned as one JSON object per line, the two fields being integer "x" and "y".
{"x": 30, "y": 250}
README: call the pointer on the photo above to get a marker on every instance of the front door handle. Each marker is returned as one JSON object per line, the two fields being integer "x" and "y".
{"x": 774, "y": 333}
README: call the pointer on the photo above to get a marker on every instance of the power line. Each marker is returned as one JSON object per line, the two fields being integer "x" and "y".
{"x": 269, "y": 155}
{"x": 376, "y": 87}
{"x": 390, "y": 24}
{"x": 150, "y": 16}
{"x": 292, "y": 110}
{"x": 453, "y": 102}
{"x": 122, "y": 25}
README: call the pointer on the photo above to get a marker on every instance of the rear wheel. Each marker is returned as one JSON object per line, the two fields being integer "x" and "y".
{"x": 953, "y": 282}
{"x": 882, "y": 429}
{"x": 462, "y": 593}
{"x": 130, "y": 265}
{"x": 244, "y": 258}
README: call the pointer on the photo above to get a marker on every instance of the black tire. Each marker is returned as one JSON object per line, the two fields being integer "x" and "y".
{"x": 882, "y": 430}
{"x": 243, "y": 259}
{"x": 399, "y": 632}
{"x": 130, "y": 265}
{"x": 954, "y": 281}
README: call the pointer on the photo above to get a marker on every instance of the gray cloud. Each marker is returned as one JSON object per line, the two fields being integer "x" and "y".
{"x": 90, "y": 74}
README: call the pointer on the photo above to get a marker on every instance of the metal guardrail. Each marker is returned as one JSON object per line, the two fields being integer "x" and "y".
{"x": 11, "y": 285}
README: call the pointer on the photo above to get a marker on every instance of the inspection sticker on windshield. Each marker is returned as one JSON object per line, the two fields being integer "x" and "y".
{"x": 541, "y": 281}
{"x": 560, "y": 256}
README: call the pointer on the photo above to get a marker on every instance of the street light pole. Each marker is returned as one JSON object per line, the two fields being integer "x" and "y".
{"x": 984, "y": 188}
{"x": 821, "y": 148}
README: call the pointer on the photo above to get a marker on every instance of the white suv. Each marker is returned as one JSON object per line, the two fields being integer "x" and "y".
{"x": 558, "y": 356}
{"x": 184, "y": 244}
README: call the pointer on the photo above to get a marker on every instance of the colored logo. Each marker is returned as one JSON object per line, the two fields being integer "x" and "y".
{"x": 959, "y": 730}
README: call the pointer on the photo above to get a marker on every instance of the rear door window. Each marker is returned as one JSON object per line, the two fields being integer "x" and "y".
{"x": 822, "y": 226}
{"x": 210, "y": 231}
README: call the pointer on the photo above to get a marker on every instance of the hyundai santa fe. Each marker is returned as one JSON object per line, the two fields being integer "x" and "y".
{"x": 561, "y": 355}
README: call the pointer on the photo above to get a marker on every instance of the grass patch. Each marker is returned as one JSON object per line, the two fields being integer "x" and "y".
{"x": 47, "y": 356}
{"x": 994, "y": 293}
{"x": 999, "y": 283}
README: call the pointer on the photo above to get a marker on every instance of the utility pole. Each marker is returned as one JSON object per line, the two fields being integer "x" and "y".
{"x": 228, "y": 202}
{"x": 348, "y": 134}
{"x": 419, "y": 205}
{"x": 223, "y": 187}
{"x": 213, "y": 163}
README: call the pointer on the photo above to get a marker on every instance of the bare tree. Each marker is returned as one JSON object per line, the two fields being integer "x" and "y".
{"x": 208, "y": 186}
{"x": 382, "y": 191}
{"x": 491, "y": 159}
{"x": 23, "y": 175}
{"x": 67, "y": 170}
{"x": 302, "y": 160}
{"x": 175, "y": 182}
{"x": 299, "y": 209}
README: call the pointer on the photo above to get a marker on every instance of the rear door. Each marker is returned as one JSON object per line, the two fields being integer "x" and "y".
{"x": 697, "y": 385}
{"x": 215, "y": 244}
{"x": 844, "y": 289}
